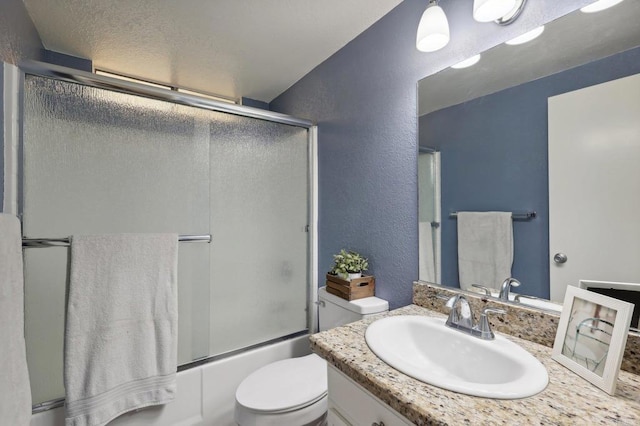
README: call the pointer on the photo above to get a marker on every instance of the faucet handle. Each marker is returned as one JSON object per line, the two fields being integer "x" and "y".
{"x": 484, "y": 327}
{"x": 487, "y": 291}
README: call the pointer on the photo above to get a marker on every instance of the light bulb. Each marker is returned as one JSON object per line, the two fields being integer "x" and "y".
{"x": 467, "y": 62}
{"x": 526, "y": 37}
{"x": 433, "y": 30}
{"x": 490, "y": 10}
{"x": 599, "y": 5}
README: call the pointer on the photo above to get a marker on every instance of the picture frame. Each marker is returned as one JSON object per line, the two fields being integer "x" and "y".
{"x": 591, "y": 337}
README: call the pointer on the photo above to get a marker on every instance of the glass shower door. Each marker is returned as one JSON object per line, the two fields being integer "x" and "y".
{"x": 259, "y": 217}
{"x": 99, "y": 161}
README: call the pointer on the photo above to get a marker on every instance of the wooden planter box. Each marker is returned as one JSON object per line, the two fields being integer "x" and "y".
{"x": 357, "y": 288}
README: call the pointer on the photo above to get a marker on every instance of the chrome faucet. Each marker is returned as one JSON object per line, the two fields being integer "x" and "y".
{"x": 461, "y": 318}
{"x": 506, "y": 288}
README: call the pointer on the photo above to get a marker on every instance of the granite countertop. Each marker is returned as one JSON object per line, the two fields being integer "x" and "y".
{"x": 568, "y": 399}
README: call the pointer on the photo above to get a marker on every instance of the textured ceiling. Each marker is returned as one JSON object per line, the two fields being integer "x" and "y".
{"x": 570, "y": 41}
{"x": 233, "y": 48}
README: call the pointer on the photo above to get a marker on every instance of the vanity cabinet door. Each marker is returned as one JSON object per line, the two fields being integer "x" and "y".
{"x": 335, "y": 419}
{"x": 353, "y": 405}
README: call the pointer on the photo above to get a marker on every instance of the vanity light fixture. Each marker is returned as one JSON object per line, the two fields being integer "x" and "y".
{"x": 467, "y": 62}
{"x": 526, "y": 37}
{"x": 433, "y": 30}
{"x": 491, "y": 10}
{"x": 599, "y": 5}
{"x": 511, "y": 16}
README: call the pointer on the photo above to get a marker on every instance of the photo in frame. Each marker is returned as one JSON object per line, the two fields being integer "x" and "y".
{"x": 629, "y": 292}
{"x": 591, "y": 336}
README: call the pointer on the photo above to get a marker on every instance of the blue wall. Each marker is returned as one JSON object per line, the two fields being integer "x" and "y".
{"x": 494, "y": 157}
{"x": 64, "y": 60}
{"x": 255, "y": 103}
{"x": 364, "y": 101}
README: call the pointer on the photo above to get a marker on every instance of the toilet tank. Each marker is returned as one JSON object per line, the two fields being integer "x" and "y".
{"x": 334, "y": 311}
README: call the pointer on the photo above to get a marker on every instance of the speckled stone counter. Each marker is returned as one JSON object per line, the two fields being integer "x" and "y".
{"x": 568, "y": 399}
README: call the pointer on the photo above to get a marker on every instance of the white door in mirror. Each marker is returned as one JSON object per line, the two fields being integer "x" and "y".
{"x": 594, "y": 182}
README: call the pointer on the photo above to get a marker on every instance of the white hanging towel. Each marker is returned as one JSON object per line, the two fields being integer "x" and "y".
{"x": 15, "y": 391}
{"x": 427, "y": 269}
{"x": 485, "y": 248}
{"x": 121, "y": 325}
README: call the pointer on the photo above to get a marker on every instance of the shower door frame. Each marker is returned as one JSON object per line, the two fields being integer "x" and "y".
{"x": 13, "y": 182}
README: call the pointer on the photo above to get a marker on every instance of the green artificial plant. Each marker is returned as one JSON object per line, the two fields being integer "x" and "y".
{"x": 349, "y": 262}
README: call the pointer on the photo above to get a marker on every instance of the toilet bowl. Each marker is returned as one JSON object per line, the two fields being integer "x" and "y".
{"x": 288, "y": 392}
{"x": 293, "y": 392}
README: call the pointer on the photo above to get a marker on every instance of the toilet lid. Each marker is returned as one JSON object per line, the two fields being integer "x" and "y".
{"x": 284, "y": 385}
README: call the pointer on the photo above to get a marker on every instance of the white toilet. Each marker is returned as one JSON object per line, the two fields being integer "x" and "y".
{"x": 293, "y": 391}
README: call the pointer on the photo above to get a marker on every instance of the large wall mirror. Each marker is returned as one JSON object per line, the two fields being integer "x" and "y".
{"x": 496, "y": 137}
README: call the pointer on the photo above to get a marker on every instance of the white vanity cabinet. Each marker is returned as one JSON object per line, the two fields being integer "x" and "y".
{"x": 352, "y": 405}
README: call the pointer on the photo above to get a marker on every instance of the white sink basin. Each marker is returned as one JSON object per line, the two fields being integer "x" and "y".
{"x": 425, "y": 349}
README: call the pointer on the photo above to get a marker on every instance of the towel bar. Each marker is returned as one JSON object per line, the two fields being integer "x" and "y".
{"x": 66, "y": 242}
{"x": 515, "y": 216}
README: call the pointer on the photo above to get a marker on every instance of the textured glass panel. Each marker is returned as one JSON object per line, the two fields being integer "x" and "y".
{"x": 97, "y": 161}
{"x": 259, "y": 210}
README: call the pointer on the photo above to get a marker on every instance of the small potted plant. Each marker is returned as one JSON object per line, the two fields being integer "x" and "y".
{"x": 349, "y": 265}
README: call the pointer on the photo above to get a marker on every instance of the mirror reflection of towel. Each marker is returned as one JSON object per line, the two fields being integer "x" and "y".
{"x": 485, "y": 248}
{"x": 427, "y": 271}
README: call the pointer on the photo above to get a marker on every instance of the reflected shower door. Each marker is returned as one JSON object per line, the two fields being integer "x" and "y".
{"x": 429, "y": 216}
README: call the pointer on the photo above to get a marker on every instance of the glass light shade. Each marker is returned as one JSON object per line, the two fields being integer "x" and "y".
{"x": 490, "y": 10}
{"x": 467, "y": 62}
{"x": 433, "y": 30}
{"x": 599, "y": 5}
{"x": 526, "y": 37}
